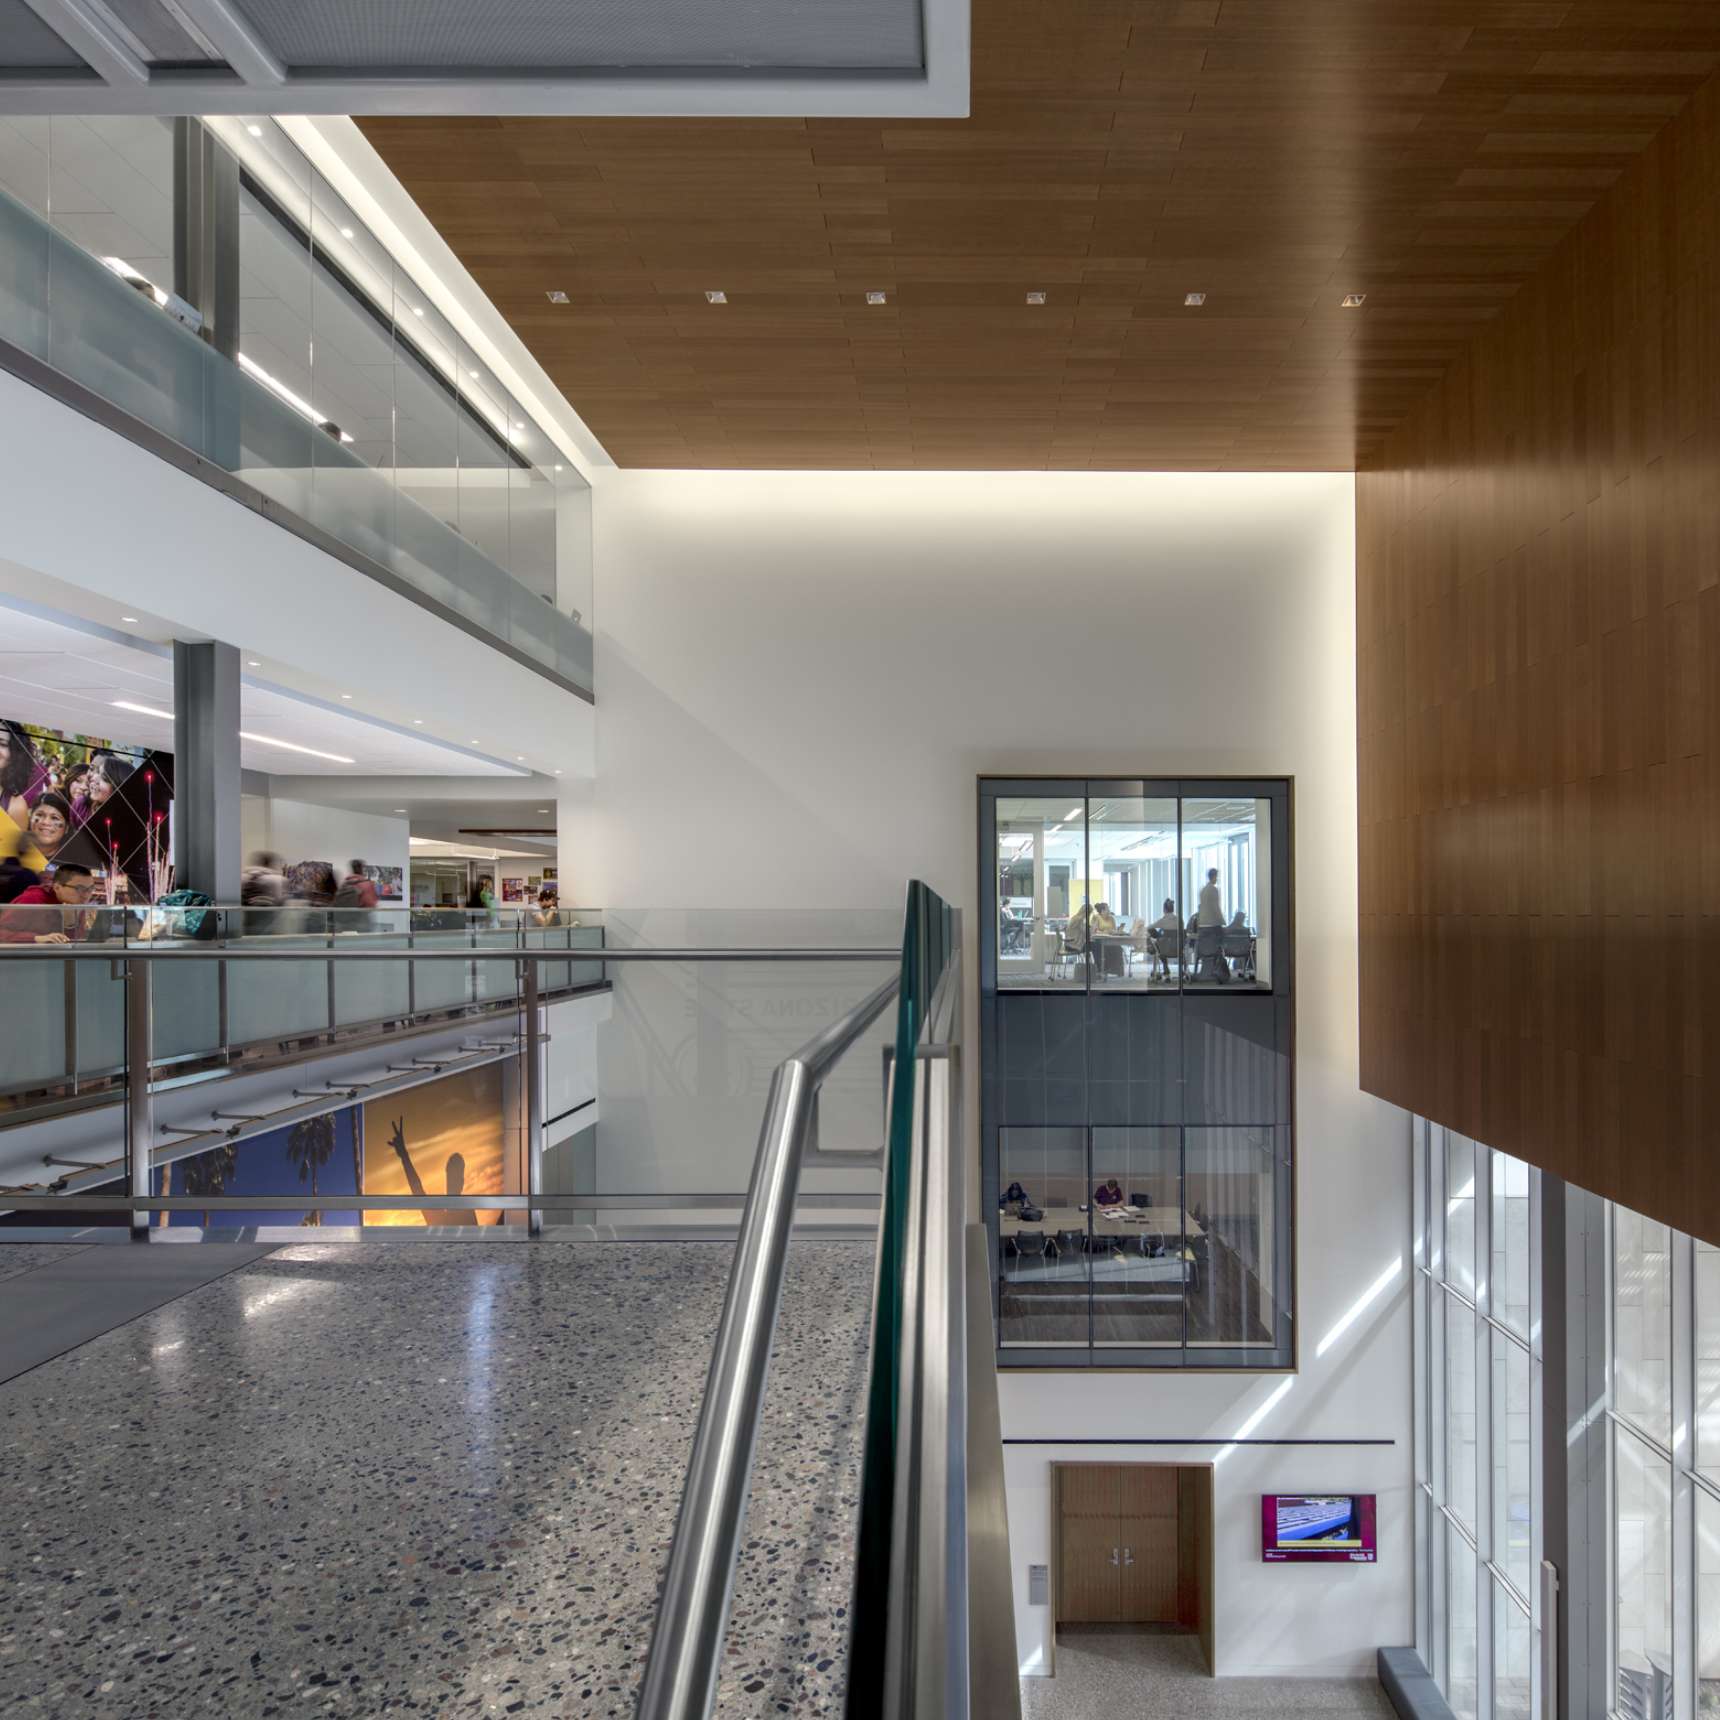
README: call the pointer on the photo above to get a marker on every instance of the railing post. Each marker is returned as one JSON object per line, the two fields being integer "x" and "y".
{"x": 139, "y": 1106}
{"x": 533, "y": 1075}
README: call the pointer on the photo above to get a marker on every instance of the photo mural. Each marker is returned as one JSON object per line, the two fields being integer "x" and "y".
{"x": 82, "y": 799}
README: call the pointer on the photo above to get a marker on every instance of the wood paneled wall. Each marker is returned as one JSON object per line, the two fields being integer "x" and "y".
{"x": 1538, "y": 634}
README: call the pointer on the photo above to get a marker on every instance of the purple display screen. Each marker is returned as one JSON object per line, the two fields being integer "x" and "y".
{"x": 1317, "y": 1528}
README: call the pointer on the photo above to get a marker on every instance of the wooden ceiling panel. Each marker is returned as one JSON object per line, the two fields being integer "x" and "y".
{"x": 1273, "y": 154}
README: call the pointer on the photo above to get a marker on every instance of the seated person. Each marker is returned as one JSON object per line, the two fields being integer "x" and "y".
{"x": 1238, "y": 922}
{"x": 1153, "y": 939}
{"x": 1108, "y": 1193}
{"x": 1075, "y": 931}
{"x": 1104, "y": 924}
{"x": 26, "y": 919}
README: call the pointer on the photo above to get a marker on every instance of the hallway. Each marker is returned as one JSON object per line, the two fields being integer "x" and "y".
{"x": 1107, "y": 1671}
{"x": 416, "y": 1479}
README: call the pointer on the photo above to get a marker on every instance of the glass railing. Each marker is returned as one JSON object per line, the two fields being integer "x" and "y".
{"x": 434, "y": 476}
{"x": 62, "y": 1023}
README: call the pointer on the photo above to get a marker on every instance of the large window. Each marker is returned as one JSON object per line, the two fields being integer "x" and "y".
{"x": 1478, "y": 1374}
{"x": 1135, "y": 1071}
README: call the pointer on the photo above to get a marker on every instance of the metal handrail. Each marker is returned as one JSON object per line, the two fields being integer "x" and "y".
{"x": 686, "y": 1647}
{"x": 155, "y": 952}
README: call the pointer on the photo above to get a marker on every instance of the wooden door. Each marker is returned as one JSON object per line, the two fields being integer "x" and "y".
{"x": 1147, "y": 1526}
{"x": 1089, "y": 1557}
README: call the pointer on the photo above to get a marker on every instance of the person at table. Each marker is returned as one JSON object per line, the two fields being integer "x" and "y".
{"x": 1103, "y": 924}
{"x": 1076, "y": 929}
{"x": 1150, "y": 937}
{"x": 26, "y": 919}
{"x": 1108, "y": 1193}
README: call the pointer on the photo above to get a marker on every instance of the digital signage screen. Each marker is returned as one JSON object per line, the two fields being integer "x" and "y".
{"x": 1317, "y": 1528}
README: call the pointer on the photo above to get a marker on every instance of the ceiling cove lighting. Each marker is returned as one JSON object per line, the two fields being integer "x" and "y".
{"x": 1194, "y": 300}
{"x": 141, "y": 710}
{"x": 300, "y": 405}
{"x": 716, "y": 296}
{"x": 293, "y": 746}
{"x": 876, "y": 298}
{"x": 1354, "y": 301}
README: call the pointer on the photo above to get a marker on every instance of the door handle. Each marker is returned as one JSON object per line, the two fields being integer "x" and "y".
{"x": 1128, "y": 1555}
{"x": 1113, "y": 1555}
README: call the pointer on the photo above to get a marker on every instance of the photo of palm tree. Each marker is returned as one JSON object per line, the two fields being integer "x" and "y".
{"x": 316, "y": 1155}
{"x": 310, "y": 1146}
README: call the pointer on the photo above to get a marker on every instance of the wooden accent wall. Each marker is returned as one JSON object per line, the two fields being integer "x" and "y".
{"x": 1538, "y": 627}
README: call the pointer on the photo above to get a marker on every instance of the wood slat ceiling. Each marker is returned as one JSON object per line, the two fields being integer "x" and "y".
{"x": 1274, "y": 154}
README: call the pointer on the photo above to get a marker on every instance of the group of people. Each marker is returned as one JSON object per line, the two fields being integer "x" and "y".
{"x": 47, "y": 804}
{"x": 1093, "y": 927}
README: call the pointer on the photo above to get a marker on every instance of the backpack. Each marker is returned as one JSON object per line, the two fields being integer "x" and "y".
{"x": 348, "y": 896}
{"x": 186, "y": 914}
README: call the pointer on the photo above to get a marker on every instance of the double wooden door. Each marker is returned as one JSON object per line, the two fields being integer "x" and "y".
{"x": 1118, "y": 1559}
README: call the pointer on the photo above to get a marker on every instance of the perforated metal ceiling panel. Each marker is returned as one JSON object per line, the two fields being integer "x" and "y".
{"x": 28, "y": 44}
{"x": 549, "y": 35}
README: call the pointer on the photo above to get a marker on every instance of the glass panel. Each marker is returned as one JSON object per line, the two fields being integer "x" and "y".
{"x": 1513, "y": 1496}
{"x": 1042, "y": 892}
{"x": 1141, "y": 1254}
{"x": 1642, "y": 1573}
{"x": 1460, "y": 1425}
{"x": 1707, "y": 1291}
{"x": 1043, "y": 1263}
{"x": 24, "y": 150}
{"x": 1226, "y": 890}
{"x": 1707, "y": 1603}
{"x": 1460, "y": 1212}
{"x": 1508, "y": 1288}
{"x": 1136, "y": 932}
{"x": 352, "y": 283}
{"x": 1232, "y": 1188}
{"x": 1642, "y": 1323}
{"x": 1513, "y": 1658}
{"x": 1460, "y": 1623}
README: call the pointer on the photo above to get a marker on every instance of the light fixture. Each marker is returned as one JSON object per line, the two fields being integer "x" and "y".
{"x": 252, "y": 663}
{"x": 557, "y": 296}
{"x": 400, "y": 809}
{"x": 1354, "y": 301}
{"x": 131, "y": 619}
{"x": 255, "y": 130}
{"x": 716, "y": 296}
{"x": 418, "y": 310}
{"x": 1073, "y": 812}
{"x": 297, "y": 401}
{"x": 1036, "y": 298}
{"x": 418, "y": 722}
{"x": 473, "y": 741}
{"x": 1194, "y": 300}
{"x": 877, "y": 298}
{"x": 473, "y": 374}
{"x": 142, "y": 710}
{"x": 293, "y": 746}
{"x": 519, "y": 758}
{"x": 558, "y": 773}
{"x": 346, "y": 232}
{"x": 542, "y": 811}
{"x": 346, "y": 695}
{"x": 558, "y": 468}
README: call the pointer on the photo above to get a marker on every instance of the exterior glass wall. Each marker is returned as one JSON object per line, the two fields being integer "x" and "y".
{"x": 1478, "y": 1373}
{"x": 1135, "y": 1071}
{"x": 1636, "y": 1439}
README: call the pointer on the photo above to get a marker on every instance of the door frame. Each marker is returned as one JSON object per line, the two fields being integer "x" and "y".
{"x": 1209, "y": 1634}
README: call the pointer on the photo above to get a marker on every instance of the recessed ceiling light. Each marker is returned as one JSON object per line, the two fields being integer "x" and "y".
{"x": 557, "y": 296}
{"x": 558, "y": 468}
{"x": 418, "y": 722}
{"x": 543, "y": 809}
{"x": 346, "y": 232}
{"x": 400, "y": 809}
{"x": 877, "y": 298}
{"x": 1036, "y": 298}
{"x": 346, "y": 695}
{"x": 519, "y": 758}
{"x": 252, "y": 663}
{"x": 472, "y": 373}
{"x": 142, "y": 710}
{"x": 1194, "y": 300}
{"x": 255, "y": 130}
{"x": 418, "y": 310}
{"x": 293, "y": 746}
{"x": 473, "y": 741}
{"x": 1354, "y": 301}
{"x": 558, "y": 773}
{"x": 131, "y": 618}
{"x": 716, "y": 296}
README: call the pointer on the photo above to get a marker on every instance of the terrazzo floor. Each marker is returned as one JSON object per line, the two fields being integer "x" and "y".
{"x": 373, "y": 1480}
{"x": 1106, "y": 1673}
{"x": 17, "y": 1258}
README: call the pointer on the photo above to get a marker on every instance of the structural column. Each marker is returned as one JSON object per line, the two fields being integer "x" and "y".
{"x": 206, "y": 839}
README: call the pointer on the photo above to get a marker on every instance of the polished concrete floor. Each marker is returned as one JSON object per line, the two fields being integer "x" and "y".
{"x": 419, "y": 1480}
{"x": 1106, "y": 1672}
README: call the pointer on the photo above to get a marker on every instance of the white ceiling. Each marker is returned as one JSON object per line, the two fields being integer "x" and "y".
{"x": 62, "y": 676}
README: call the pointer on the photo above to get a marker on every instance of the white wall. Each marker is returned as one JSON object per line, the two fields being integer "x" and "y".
{"x": 800, "y": 676}
{"x": 297, "y": 830}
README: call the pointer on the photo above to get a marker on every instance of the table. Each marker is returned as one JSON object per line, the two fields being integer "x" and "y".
{"x": 1167, "y": 1221}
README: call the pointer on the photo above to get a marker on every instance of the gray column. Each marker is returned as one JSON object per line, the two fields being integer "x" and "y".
{"x": 206, "y": 768}
{"x": 206, "y": 232}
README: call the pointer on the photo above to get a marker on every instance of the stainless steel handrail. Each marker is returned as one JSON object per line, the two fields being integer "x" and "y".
{"x": 154, "y": 952}
{"x": 686, "y": 1647}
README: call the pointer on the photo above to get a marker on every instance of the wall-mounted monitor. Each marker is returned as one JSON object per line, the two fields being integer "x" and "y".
{"x": 1317, "y": 1528}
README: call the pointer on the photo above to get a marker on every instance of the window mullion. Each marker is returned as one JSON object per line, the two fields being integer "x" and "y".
{"x": 1684, "y": 1578}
